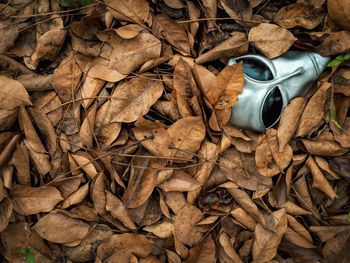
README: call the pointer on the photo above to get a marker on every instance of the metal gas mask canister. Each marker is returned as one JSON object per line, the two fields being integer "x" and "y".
{"x": 271, "y": 84}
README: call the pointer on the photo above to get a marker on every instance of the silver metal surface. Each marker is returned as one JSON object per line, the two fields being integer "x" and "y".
{"x": 293, "y": 74}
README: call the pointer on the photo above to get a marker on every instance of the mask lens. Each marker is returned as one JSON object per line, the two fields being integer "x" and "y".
{"x": 256, "y": 69}
{"x": 272, "y": 108}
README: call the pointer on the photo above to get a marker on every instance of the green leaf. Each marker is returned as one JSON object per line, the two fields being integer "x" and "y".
{"x": 338, "y": 60}
{"x": 333, "y": 120}
{"x": 28, "y": 253}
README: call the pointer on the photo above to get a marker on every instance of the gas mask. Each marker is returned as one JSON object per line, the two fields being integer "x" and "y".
{"x": 271, "y": 84}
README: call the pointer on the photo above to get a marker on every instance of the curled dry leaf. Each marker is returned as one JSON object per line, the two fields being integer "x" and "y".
{"x": 229, "y": 83}
{"x": 84, "y": 161}
{"x": 298, "y": 14}
{"x": 162, "y": 229}
{"x": 86, "y": 249}
{"x": 228, "y": 248}
{"x": 269, "y": 159}
{"x": 164, "y": 27}
{"x": 236, "y": 45}
{"x": 6, "y": 209}
{"x": 133, "y": 99}
{"x": 319, "y": 181}
{"x": 266, "y": 242}
{"x": 129, "y": 10}
{"x": 240, "y": 168}
{"x": 187, "y": 135}
{"x": 159, "y": 139}
{"x": 66, "y": 78}
{"x": 130, "y": 54}
{"x": 314, "y": 110}
{"x": 324, "y": 148}
{"x": 289, "y": 121}
{"x": 20, "y": 159}
{"x": 86, "y": 133}
{"x": 12, "y": 94}
{"x": 180, "y": 181}
{"x": 243, "y": 199}
{"x": 118, "y": 210}
{"x": 76, "y": 197}
{"x": 271, "y": 40}
{"x": 185, "y": 229}
{"x": 32, "y": 200}
{"x": 98, "y": 195}
{"x": 334, "y": 43}
{"x": 60, "y": 228}
{"x": 120, "y": 247}
{"x": 339, "y": 12}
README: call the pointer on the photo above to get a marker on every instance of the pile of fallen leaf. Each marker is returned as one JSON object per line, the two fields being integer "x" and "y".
{"x": 115, "y": 144}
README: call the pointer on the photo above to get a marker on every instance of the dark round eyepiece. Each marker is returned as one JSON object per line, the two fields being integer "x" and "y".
{"x": 272, "y": 107}
{"x": 256, "y": 69}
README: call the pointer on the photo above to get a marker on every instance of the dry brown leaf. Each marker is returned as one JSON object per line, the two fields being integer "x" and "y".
{"x": 298, "y": 14}
{"x": 243, "y": 218}
{"x": 162, "y": 229}
{"x": 130, "y": 54}
{"x": 48, "y": 46}
{"x": 269, "y": 159}
{"x": 185, "y": 229}
{"x": 209, "y": 153}
{"x": 239, "y": 10}
{"x": 66, "y": 185}
{"x": 229, "y": 83}
{"x": 118, "y": 210}
{"x": 106, "y": 132}
{"x": 159, "y": 139}
{"x": 32, "y": 200}
{"x": 319, "y": 181}
{"x": 129, "y": 10}
{"x": 120, "y": 247}
{"x": 299, "y": 228}
{"x": 8, "y": 35}
{"x": 98, "y": 194}
{"x": 12, "y": 94}
{"x": 186, "y": 88}
{"x": 66, "y": 78}
{"x": 236, "y": 45}
{"x": 240, "y": 168}
{"x": 7, "y": 118}
{"x": 334, "y": 43}
{"x": 180, "y": 181}
{"x": 20, "y": 160}
{"x": 270, "y": 39}
{"x": 133, "y": 99}
{"x": 164, "y": 27}
{"x": 143, "y": 181}
{"x": 59, "y": 228}
{"x": 99, "y": 68}
{"x": 343, "y": 136}
{"x": 324, "y": 148}
{"x": 90, "y": 88}
{"x": 187, "y": 135}
{"x": 227, "y": 245}
{"x": 323, "y": 164}
{"x": 86, "y": 249}
{"x": 325, "y": 233}
{"x": 76, "y": 197}
{"x": 266, "y": 242}
{"x": 86, "y": 133}
{"x": 84, "y": 161}
{"x": 289, "y": 121}
{"x": 339, "y": 12}
{"x": 19, "y": 235}
{"x": 243, "y": 199}
{"x": 129, "y": 31}
{"x": 293, "y": 237}
{"x": 46, "y": 128}
{"x": 204, "y": 252}
{"x": 314, "y": 110}
{"x": 6, "y": 209}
